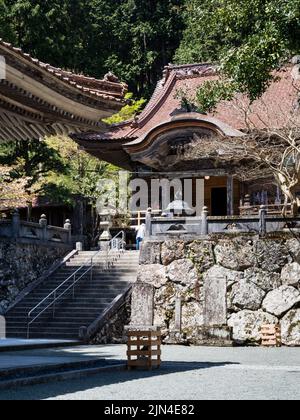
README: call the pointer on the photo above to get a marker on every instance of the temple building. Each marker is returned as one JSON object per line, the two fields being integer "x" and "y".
{"x": 150, "y": 145}
{"x": 37, "y": 100}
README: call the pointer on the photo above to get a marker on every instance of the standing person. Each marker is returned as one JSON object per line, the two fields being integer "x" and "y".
{"x": 141, "y": 232}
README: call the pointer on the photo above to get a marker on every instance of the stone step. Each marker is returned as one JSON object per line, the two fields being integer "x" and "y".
{"x": 33, "y": 375}
{"x": 85, "y": 302}
{"x": 45, "y": 336}
{"x": 90, "y": 254}
{"x": 78, "y": 293}
{"x": 107, "y": 279}
{"x": 33, "y": 302}
{"x": 83, "y": 310}
{"x": 45, "y": 317}
{"x": 92, "y": 297}
{"x": 96, "y": 272}
{"x": 99, "y": 289}
{"x": 103, "y": 283}
{"x": 57, "y": 324}
{"x": 98, "y": 285}
{"x": 53, "y": 328}
{"x": 80, "y": 320}
{"x": 95, "y": 311}
{"x": 23, "y": 335}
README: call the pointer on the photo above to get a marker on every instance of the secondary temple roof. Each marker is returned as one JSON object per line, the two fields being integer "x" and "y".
{"x": 37, "y": 99}
{"x": 119, "y": 144}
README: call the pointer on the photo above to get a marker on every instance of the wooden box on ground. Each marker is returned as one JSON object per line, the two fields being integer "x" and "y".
{"x": 144, "y": 347}
{"x": 271, "y": 335}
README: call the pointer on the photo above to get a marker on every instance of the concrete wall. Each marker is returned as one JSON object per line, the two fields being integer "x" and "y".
{"x": 234, "y": 284}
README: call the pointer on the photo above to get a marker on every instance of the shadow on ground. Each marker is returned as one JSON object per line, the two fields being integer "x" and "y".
{"x": 55, "y": 389}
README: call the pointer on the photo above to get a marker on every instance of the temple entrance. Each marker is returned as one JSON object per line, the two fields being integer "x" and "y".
{"x": 219, "y": 201}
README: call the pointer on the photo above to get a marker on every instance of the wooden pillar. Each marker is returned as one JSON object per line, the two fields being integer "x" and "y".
{"x": 230, "y": 198}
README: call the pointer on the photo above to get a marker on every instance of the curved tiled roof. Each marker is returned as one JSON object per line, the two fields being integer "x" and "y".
{"x": 37, "y": 99}
{"x": 105, "y": 89}
{"x": 270, "y": 110}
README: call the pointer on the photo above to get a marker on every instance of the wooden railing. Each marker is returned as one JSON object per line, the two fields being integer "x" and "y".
{"x": 272, "y": 209}
{"x": 139, "y": 217}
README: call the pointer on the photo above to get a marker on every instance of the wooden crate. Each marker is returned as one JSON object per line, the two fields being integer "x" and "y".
{"x": 144, "y": 349}
{"x": 271, "y": 335}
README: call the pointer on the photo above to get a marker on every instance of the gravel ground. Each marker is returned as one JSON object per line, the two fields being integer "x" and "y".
{"x": 187, "y": 373}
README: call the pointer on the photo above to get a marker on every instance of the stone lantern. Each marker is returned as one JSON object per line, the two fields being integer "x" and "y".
{"x": 105, "y": 225}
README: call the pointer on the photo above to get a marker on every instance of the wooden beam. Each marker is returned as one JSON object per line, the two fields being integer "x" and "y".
{"x": 183, "y": 174}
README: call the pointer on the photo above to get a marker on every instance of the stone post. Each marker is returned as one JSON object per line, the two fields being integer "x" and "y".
{"x": 79, "y": 246}
{"x": 262, "y": 220}
{"x": 178, "y": 314}
{"x": 148, "y": 223}
{"x": 204, "y": 221}
{"x": 16, "y": 223}
{"x": 43, "y": 223}
{"x": 142, "y": 305}
{"x": 68, "y": 227}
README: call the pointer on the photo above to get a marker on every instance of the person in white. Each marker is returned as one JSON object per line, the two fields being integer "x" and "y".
{"x": 140, "y": 235}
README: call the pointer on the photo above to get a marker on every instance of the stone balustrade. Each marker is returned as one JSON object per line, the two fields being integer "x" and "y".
{"x": 17, "y": 229}
{"x": 261, "y": 224}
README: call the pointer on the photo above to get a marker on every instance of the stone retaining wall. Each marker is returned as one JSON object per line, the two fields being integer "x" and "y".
{"x": 22, "y": 264}
{"x": 114, "y": 330}
{"x": 241, "y": 282}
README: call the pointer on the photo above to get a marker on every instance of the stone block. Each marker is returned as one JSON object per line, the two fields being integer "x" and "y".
{"x": 150, "y": 253}
{"x": 279, "y": 301}
{"x": 142, "y": 304}
{"x": 215, "y": 300}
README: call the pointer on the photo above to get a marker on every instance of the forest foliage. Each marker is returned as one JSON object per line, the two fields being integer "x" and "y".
{"x": 135, "y": 39}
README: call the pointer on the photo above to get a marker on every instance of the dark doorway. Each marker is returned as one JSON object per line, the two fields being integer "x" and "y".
{"x": 219, "y": 201}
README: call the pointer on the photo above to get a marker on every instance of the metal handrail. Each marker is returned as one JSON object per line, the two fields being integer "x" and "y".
{"x": 73, "y": 275}
{"x": 111, "y": 247}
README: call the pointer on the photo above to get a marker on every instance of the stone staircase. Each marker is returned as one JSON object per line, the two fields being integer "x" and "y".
{"x": 92, "y": 297}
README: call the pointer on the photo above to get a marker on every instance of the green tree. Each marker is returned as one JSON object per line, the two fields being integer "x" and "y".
{"x": 249, "y": 39}
{"x": 82, "y": 172}
{"x": 129, "y": 111}
{"x": 133, "y": 38}
{"x": 53, "y": 31}
{"x": 31, "y": 160}
{"x": 6, "y": 31}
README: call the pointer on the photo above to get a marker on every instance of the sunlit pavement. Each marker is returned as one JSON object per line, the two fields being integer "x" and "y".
{"x": 187, "y": 373}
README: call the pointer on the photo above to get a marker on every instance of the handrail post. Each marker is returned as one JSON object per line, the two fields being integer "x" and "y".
{"x": 28, "y": 327}
{"x": 92, "y": 268}
{"x": 74, "y": 280}
{"x": 54, "y": 303}
{"x": 107, "y": 253}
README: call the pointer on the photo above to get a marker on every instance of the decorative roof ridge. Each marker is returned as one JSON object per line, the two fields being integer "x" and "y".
{"x": 189, "y": 70}
{"x": 162, "y": 90}
{"x": 172, "y": 73}
{"x": 189, "y": 65}
{"x": 79, "y": 82}
{"x": 135, "y": 122}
